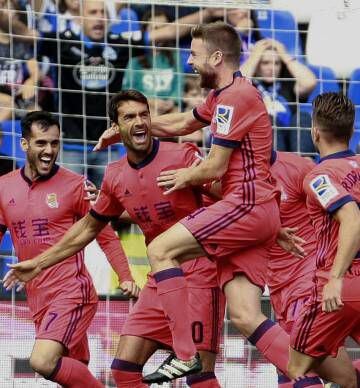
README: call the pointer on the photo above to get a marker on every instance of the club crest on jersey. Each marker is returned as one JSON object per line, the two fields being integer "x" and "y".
{"x": 223, "y": 118}
{"x": 324, "y": 189}
{"x": 51, "y": 201}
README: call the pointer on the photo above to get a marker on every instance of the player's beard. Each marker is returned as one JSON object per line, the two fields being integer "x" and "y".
{"x": 208, "y": 78}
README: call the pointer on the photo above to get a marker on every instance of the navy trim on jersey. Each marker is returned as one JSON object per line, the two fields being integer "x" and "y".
{"x": 149, "y": 158}
{"x": 101, "y": 217}
{"x": 235, "y": 75}
{"x": 357, "y": 256}
{"x": 339, "y": 203}
{"x": 53, "y": 171}
{"x": 3, "y": 228}
{"x": 226, "y": 142}
{"x": 199, "y": 118}
{"x": 338, "y": 155}
{"x": 273, "y": 157}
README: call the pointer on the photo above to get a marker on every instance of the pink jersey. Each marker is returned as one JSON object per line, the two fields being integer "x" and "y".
{"x": 330, "y": 185}
{"x": 38, "y": 214}
{"x": 290, "y": 170}
{"x": 132, "y": 187}
{"x": 238, "y": 119}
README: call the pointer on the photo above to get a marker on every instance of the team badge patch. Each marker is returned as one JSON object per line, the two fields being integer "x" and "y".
{"x": 223, "y": 118}
{"x": 51, "y": 201}
{"x": 323, "y": 188}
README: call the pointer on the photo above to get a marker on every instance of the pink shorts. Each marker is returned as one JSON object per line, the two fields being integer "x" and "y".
{"x": 207, "y": 308}
{"x": 227, "y": 227}
{"x": 67, "y": 322}
{"x": 287, "y": 313}
{"x": 317, "y": 333}
{"x": 251, "y": 263}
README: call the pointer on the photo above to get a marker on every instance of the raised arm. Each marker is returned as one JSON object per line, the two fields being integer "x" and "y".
{"x": 175, "y": 124}
{"x": 348, "y": 217}
{"x": 180, "y": 27}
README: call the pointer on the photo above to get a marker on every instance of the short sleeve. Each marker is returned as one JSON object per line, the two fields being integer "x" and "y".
{"x": 204, "y": 112}
{"x": 325, "y": 190}
{"x": 81, "y": 206}
{"x": 107, "y": 206}
{"x": 236, "y": 114}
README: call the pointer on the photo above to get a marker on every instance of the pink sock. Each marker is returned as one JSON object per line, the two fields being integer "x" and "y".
{"x": 203, "y": 380}
{"x": 172, "y": 290}
{"x": 127, "y": 374}
{"x": 273, "y": 343}
{"x": 73, "y": 374}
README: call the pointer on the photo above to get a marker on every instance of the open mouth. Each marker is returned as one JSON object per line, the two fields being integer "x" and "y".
{"x": 45, "y": 161}
{"x": 140, "y": 136}
{"x": 98, "y": 28}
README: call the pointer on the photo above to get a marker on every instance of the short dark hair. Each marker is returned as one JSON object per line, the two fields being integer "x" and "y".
{"x": 334, "y": 114}
{"x": 41, "y": 118}
{"x": 124, "y": 96}
{"x": 220, "y": 36}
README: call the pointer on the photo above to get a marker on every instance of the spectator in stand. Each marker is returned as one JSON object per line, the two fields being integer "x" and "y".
{"x": 283, "y": 82}
{"x": 65, "y": 16}
{"x": 20, "y": 75}
{"x": 157, "y": 73}
{"x": 193, "y": 97}
{"x": 91, "y": 67}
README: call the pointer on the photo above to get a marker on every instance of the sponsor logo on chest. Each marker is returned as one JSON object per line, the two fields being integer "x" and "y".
{"x": 52, "y": 201}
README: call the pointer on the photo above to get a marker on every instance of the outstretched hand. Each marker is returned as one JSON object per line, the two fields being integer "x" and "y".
{"x": 290, "y": 242}
{"x": 110, "y": 136}
{"x": 20, "y": 272}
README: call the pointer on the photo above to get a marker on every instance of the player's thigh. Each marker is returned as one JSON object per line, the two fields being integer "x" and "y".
{"x": 338, "y": 370}
{"x": 135, "y": 349}
{"x": 299, "y": 363}
{"x": 175, "y": 243}
{"x": 242, "y": 296}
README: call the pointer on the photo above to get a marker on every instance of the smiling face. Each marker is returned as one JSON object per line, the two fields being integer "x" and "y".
{"x": 134, "y": 123}
{"x": 199, "y": 60}
{"x": 94, "y": 19}
{"x": 42, "y": 148}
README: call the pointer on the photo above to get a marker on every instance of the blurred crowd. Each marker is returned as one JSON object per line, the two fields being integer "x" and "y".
{"x": 68, "y": 56}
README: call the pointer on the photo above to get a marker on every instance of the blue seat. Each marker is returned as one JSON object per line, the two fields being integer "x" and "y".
{"x": 10, "y": 140}
{"x": 326, "y": 82}
{"x": 281, "y": 26}
{"x": 6, "y": 246}
{"x": 354, "y": 95}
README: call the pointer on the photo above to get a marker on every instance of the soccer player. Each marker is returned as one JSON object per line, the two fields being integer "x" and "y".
{"x": 130, "y": 185}
{"x": 333, "y": 194}
{"x": 290, "y": 280}
{"x": 238, "y": 230}
{"x": 38, "y": 204}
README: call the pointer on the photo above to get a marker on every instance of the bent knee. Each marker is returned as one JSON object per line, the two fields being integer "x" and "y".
{"x": 246, "y": 320}
{"x": 43, "y": 364}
